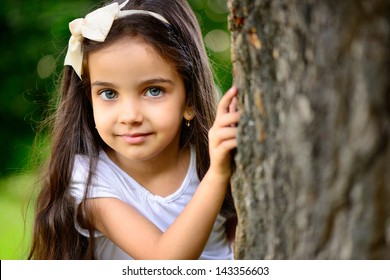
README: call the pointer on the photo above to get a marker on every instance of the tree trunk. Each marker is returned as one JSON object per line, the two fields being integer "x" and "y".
{"x": 312, "y": 177}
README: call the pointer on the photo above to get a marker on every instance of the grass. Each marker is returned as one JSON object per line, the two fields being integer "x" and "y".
{"x": 15, "y": 216}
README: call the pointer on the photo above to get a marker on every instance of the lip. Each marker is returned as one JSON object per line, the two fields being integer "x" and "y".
{"x": 135, "y": 138}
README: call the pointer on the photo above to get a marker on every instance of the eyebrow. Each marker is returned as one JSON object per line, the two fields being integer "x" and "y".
{"x": 142, "y": 83}
{"x": 104, "y": 84}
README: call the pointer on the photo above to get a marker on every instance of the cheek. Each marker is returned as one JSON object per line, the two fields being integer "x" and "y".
{"x": 101, "y": 117}
{"x": 100, "y": 125}
{"x": 169, "y": 118}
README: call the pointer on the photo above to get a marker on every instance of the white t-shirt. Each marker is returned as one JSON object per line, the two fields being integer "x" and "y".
{"x": 111, "y": 181}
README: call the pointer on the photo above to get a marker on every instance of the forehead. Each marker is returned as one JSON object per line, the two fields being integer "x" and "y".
{"x": 129, "y": 58}
{"x": 129, "y": 45}
{"x": 123, "y": 44}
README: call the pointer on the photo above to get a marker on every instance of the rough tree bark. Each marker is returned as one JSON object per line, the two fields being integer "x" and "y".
{"x": 312, "y": 176}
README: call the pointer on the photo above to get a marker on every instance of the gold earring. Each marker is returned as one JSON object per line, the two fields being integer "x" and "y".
{"x": 188, "y": 123}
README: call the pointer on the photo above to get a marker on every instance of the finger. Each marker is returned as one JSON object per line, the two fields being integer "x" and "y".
{"x": 233, "y": 105}
{"x": 221, "y": 154}
{"x": 233, "y": 108}
{"x": 218, "y": 136}
{"x": 227, "y": 133}
{"x": 228, "y": 119}
{"x": 228, "y": 145}
{"x": 223, "y": 106}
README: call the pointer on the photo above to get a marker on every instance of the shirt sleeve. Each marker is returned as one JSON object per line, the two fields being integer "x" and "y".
{"x": 99, "y": 187}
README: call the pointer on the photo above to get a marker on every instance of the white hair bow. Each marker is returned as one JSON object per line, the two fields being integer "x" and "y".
{"x": 96, "y": 26}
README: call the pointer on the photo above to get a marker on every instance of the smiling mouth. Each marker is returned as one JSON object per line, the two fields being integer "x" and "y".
{"x": 136, "y": 138}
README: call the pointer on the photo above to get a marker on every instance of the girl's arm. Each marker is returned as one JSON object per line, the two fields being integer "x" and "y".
{"x": 188, "y": 234}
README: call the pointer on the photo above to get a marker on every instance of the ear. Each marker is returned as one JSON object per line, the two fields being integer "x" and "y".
{"x": 189, "y": 113}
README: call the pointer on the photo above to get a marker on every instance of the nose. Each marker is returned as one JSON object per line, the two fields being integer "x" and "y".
{"x": 130, "y": 111}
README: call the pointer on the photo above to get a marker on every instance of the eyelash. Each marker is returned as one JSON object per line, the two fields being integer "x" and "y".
{"x": 105, "y": 98}
{"x": 102, "y": 92}
{"x": 161, "y": 91}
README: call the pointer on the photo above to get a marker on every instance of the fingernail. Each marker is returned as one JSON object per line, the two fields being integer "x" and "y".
{"x": 233, "y": 89}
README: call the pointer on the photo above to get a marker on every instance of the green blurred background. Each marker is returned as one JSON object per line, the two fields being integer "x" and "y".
{"x": 34, "y": 37}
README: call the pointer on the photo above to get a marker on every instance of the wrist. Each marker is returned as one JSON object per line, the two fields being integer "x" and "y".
{"x": 219, "y": 175}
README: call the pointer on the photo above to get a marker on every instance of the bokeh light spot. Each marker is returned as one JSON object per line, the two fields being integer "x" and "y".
{"x": 46, "y": 66}
{"x": 217, "y": 40}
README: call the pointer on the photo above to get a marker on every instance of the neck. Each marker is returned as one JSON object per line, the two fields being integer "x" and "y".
{"x": 162, "y": 174}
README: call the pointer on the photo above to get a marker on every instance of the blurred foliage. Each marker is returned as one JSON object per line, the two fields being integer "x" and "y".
{"x": 16, "y": 214}
{"x": 34, "y": 37}
{"x": 31, "y": 30}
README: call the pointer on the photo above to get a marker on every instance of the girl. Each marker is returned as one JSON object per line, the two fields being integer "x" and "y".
{"x": 139, "y": 168}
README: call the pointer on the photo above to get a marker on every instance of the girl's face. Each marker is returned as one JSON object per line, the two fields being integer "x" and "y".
{"x": 138, "y": 101}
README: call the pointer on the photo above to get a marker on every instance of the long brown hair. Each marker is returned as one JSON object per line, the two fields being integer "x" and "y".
{"x": 73, "y": 132}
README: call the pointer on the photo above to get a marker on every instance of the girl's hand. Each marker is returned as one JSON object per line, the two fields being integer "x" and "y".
{"x": 223, "y": 134}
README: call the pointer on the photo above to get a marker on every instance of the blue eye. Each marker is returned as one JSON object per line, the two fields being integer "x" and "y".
{"x": 153, "y": 92}
{"x": 108, "y": 94}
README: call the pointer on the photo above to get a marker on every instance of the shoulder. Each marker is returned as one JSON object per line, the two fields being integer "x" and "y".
{"x": 102, "y": 174}
{"x": 84, "y": 165}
